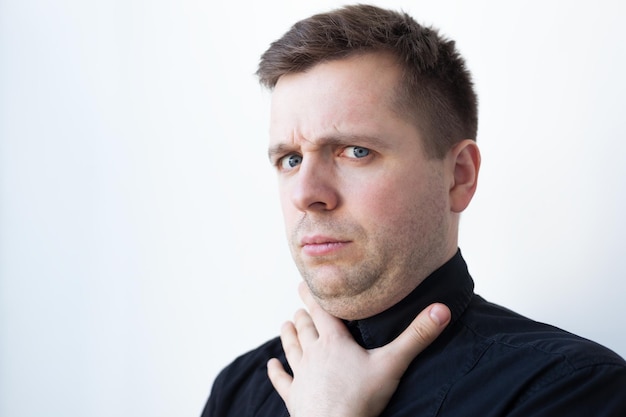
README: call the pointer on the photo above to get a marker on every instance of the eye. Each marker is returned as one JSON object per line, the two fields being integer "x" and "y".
{"x": 356, "y": 152}
{"x": 290, "y": 161}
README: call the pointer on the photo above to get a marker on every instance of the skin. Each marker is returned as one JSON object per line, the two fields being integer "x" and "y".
{"x": 334, "y": 376}
{"x": 368, "y": 214}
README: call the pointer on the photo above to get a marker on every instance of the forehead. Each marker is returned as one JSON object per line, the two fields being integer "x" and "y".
{"x": 354, "y": 95}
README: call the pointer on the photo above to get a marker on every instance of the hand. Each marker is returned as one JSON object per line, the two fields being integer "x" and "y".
{"x": 333, "y": 375}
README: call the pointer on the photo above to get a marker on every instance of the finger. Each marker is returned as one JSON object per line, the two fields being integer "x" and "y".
{"x": 307, "y": 333}
{"x": 426, "y": 327}
{"x": 291, "y": 344}
{"x": 324, "y": 322}
{"x": 279, "y": 378}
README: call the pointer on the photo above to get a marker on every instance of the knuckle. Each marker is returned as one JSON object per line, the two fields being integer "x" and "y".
{"x": 420, "y": 333}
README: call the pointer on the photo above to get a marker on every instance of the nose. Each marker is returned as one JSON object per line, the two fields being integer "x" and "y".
{"x": 314, "y": 187}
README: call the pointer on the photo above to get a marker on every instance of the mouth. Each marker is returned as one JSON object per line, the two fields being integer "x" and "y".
{"x": 321, "y": 245}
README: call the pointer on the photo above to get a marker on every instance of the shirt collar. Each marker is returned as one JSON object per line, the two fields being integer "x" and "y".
{"x": 451, "y": 284}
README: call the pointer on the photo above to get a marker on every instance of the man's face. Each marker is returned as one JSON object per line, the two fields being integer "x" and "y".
{"x": 366, "y": 211}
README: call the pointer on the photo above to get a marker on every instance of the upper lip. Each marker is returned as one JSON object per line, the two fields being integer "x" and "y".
{"x": 319, "y": 239}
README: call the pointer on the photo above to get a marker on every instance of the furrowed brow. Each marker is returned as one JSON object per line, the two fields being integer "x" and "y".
{"x": 354, "y": 139}
{"x": 277, "y": 150}
{"x": 334, "y": 140}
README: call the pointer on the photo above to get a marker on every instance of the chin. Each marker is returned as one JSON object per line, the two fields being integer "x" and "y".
{"x": 346, "y": 308}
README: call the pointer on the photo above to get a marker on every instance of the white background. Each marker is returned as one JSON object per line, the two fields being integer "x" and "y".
{"x": 141, "y": 243}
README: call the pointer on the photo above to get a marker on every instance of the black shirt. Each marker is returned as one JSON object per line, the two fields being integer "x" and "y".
{"x": 489, "y": 361}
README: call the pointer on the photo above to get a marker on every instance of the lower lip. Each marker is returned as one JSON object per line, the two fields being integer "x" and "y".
{"x": 319, "y": 249}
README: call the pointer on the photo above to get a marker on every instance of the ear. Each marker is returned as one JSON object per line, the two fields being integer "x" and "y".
{"x": 464, "y": 160}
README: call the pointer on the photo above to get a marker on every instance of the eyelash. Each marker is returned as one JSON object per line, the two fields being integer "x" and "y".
{"x": 284, "y": 159}
{"x": 281, "y": 161}
{"x": 358, "y": 147}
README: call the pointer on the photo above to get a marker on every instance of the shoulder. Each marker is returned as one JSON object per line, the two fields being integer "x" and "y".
{"x": 250, "y": 366}
{"x": 512, "y": 331}
{"x": 541, "y": 365}
{"x": 255, "y": 358}
{"x": 243, "y": 385}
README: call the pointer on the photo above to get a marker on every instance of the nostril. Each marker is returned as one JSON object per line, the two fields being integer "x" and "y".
{"x": 314, "y": 185}
{"x": 315, "y": 196}
{"x": 319, "y": 205}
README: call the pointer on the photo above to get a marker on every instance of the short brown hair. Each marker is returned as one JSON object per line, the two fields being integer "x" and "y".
{"x": 436, "y": 89}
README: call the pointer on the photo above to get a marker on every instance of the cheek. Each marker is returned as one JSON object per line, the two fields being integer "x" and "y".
{"x": 399, "y": 201}
{"x": 378, "y": 201}
{"x": 291, "y": 214}
{"x": 287, "y": 208}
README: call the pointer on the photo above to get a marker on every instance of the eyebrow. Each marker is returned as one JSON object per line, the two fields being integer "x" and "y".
{"x": 334, "y": 140}
{"x": 279, "y": 149}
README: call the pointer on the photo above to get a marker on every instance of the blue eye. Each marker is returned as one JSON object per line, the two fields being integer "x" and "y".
{"x": 290, "y": 161}
{"x": 356, "y": 152}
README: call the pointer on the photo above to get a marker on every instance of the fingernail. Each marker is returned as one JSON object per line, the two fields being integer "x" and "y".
{"x": 439, "y": 314}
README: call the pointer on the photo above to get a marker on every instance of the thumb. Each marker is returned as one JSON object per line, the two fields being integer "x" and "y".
{"x": 424, "y": 329}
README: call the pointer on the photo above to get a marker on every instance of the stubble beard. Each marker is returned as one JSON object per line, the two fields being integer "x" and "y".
{"x": 383, "y": 268}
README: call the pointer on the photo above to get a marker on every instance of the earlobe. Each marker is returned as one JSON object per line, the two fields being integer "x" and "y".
{"x": 465, "y": 157}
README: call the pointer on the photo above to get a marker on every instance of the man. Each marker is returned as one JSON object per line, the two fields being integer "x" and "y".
{"x": 372, "y": 132}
